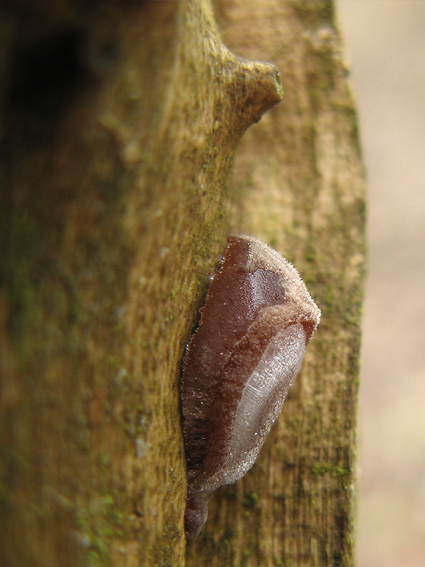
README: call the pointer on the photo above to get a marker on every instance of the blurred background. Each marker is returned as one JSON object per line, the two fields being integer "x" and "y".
{"x": 385, "y": 48}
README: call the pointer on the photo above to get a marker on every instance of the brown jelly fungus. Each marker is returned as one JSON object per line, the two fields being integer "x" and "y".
{"x": 255, "y": 324}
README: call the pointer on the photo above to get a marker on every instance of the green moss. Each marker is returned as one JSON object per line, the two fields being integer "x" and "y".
{"x": 5, "y": 500}
{"x": 20, "y": 262}
{"x": 320, "y": 469}
{"x": 245, "y": 557}
{"x": 273, "y": 240}
{"x": 97, "y": 525}
{"x": 250, "y": 500}
{"x": 341, "y": 472}
{"x": 310, "y": 253}
{"x": 315, "y": 11}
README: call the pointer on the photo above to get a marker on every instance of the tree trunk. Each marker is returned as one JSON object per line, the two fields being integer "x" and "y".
{"x": 119, "y": 125}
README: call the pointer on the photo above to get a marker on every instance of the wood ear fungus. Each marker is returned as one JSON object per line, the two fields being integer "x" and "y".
{"x": 255, "y": 324}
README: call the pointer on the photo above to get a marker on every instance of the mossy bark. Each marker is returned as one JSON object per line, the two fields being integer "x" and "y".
{"x": 119, "y": 126}
{"x": 299, "y": 186}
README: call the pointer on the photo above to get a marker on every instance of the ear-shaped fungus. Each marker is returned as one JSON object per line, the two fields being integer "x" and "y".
{"x": 255, "y": 324}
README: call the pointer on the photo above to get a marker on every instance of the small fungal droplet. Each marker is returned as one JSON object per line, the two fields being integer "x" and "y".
{"x": 255, "y": 324}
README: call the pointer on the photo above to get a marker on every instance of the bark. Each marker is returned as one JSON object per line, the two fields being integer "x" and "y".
{"x": 299, "y": 185}
{"x": 119, "y": 126}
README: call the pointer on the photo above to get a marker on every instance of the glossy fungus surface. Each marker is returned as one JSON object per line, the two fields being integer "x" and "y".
{"x": 255, "y": 324}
